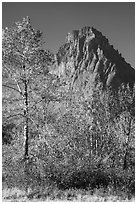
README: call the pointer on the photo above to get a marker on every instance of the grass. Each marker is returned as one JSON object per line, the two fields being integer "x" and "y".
{"x": 55, "y": 194}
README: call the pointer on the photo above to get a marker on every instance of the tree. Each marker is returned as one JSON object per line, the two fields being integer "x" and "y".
{"x": 24, "y": 63}
{"x": 125, "y": 123}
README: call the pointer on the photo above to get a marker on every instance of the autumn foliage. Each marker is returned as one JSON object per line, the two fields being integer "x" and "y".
{"x": 57, "y": 135}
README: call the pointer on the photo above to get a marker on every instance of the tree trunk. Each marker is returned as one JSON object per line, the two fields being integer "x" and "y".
{"x": 125, "y": 166}
{"x": 125, "y": 161}
{"x": 89, "y": 145}
{"x": 93, "y": 139}
{"x": 94, "y": 144}
{"x": 26, "y": 126}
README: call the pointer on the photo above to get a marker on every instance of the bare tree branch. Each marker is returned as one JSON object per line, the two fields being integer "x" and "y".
{"x": 11, "y": 116}
{"x": 34, "y": 105}
{"x": 11, "y": 88}
{"x": 19, "y": 87}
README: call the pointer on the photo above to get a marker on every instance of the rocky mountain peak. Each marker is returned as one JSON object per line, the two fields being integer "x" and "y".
{"x": 88, "y": 54}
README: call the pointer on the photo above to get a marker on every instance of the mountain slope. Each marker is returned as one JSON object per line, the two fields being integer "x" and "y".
{"x": 87, "y": 56}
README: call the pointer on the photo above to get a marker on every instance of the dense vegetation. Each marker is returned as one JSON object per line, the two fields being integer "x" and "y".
{"x": 55, "y": 136}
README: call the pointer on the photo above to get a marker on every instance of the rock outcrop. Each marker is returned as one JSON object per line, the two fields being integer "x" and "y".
{"x": 87, "y": 56}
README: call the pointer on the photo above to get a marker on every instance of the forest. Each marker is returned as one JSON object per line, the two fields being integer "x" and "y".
{"x": 61, "y": 141}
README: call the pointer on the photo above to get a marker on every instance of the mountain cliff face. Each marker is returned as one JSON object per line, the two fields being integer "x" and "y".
{"x": 87, "y": 56}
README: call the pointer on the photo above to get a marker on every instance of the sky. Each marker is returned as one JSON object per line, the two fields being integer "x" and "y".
{"x": 116, "y": 20}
